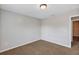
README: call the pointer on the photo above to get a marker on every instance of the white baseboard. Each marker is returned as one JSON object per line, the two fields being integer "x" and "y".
{"x": 28, "y": 43}
{"x": 17, "y": 46}
{"x": 57, "y": 43}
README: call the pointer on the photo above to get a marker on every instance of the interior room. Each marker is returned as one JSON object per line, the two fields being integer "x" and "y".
{"x": 39, "y": 29}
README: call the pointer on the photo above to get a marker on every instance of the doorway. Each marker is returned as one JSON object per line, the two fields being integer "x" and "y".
{"x": 75, "y": 31}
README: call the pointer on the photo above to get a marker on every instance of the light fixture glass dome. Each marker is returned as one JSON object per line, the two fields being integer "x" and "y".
{"x": 43, "y": 6}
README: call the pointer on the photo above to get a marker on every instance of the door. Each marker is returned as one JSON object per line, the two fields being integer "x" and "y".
{"x": 75, "y": 32}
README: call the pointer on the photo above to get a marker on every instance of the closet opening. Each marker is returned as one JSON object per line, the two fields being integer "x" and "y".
{"x": 75, "y": 31}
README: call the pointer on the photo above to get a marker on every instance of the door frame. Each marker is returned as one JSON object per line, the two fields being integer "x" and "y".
{"x": 71, "y": 27}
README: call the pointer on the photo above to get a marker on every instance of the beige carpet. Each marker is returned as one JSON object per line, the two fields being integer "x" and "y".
{"x": 43, "y": 48}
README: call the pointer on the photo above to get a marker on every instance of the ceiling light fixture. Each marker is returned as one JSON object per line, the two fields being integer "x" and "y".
{"x": 43, "y": 6}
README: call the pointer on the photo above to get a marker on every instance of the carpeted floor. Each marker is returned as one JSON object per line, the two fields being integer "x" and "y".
{"x": 43, "y": 48}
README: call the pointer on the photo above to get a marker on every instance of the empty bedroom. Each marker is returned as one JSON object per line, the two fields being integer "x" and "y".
{"x": 39, "y": 29}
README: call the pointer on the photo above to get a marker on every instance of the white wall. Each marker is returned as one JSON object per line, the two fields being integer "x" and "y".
{"x": 17, "y": 30}
{"x": 0, "y": 30}
{"x": 57, "y": 29}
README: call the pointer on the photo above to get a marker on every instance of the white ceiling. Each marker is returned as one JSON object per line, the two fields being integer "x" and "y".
{"x": 34, "y": 10}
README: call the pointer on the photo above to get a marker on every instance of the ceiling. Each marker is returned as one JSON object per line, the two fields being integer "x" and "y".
{"x": 34, "y": 10}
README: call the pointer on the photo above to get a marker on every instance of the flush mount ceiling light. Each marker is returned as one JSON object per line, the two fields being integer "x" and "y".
{"x": 43, "y": 6}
